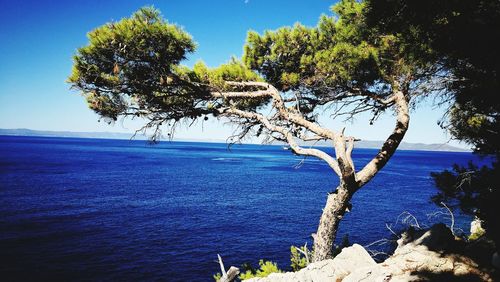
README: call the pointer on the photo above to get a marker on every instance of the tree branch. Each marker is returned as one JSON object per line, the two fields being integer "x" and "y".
{"x": 286, "y": 134}
{"x": 278, "y": 103}
{"x": 392, "y": 142}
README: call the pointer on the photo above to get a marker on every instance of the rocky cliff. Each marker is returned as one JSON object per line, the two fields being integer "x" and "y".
{"x": 432, "y": 255}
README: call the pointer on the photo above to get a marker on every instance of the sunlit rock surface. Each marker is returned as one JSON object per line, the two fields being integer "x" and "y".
{"x": 420, "y": 256}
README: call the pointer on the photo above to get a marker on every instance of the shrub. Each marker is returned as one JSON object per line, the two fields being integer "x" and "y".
{"x": 297, "y": 258}
{"x": 266, "y": 268}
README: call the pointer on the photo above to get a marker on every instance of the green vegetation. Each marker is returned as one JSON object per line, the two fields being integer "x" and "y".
{"x": 217, "y": 276}
{"x": 476, "y": 235}
{"x": 132, "y": 67}
{"x": 298, "y": 259}
{"x": 265, "y": 268}
{"x": 369, "y": 56}
{"x": 464, "y": 38}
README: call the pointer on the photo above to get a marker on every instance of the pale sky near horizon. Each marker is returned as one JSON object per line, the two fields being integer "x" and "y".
{"x": 38, "y": 39}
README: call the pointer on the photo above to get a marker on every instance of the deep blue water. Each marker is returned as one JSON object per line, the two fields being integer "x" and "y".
{"x": 94, "y": 209}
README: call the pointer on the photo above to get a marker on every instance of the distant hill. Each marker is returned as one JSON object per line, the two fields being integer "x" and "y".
{"x": 106, "y": 135}
{"x": 113, "y": 135}
{"x": 369, "y": 144}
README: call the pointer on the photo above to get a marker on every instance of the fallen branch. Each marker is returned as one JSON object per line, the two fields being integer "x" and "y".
{"x": 230, "y": 275}
{"x": 452, "y": 218}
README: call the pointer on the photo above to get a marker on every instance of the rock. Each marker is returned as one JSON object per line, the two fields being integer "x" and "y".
{"x": 476, "y": 226}
{"x": 438, "y": 238}
{"x": 319, "y": 271}
{"x": 343, "y": 264}
{"x": 350, "y": 259}
{"x": 423, "y": 256}
{"x": 428, "y": 255}
{"x": 370, "y": 273}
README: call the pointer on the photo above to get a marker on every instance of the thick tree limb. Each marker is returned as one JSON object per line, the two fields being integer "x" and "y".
{"x": 249, "y": 94}
{"x": 391, "y": 144}
{"x": 278, "y": 103}
{"x": 230, "y": 275}
{"x": 350, "y": 147}
{"x": 286, "y": 134}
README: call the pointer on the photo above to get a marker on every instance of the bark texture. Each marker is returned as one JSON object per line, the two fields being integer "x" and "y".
{"x": 335, "y": 208}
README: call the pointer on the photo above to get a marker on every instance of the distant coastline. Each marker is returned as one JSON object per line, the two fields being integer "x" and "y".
{"x": 367, "y": 144}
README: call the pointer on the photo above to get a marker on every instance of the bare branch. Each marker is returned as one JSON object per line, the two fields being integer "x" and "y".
{"x": 286, "y": 134}
{"x": 392, "y": 231}
{"x": 305, "y": 252}
{"x": 279, "y": 104}
{"x": 452, "y": 227}
{"x": 249, "y": 94}
{"x": 350, "y": 147}
{"x": 391, "y": 144}
{"x": 230, "y": 275}
{"x": 222, "y": 268}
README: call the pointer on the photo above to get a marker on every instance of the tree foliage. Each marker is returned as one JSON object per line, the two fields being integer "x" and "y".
{"x": 339, "y": 60}
{"x": 265, "y": 268}
{"x": 463, "y": 36}
{"x": 134, "y": 62}
{"x": 473, "y": 189}
{"x": 470, "y": 186}
{"x": 132, "y": 68}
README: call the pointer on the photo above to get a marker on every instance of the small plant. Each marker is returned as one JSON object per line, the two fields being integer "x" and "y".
{"x": 266, "y": 268}
{"x": 476, "y": 235}
{"x": 217, "y": 276}
{"x": 299, "y": 257}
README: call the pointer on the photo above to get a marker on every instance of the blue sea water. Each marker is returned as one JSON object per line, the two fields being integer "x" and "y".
{"x": 94, "y": 209}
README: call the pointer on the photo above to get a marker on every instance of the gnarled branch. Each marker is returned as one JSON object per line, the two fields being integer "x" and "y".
{"x": 286, "y": 135}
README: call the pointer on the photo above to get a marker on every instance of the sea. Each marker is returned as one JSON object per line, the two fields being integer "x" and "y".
{"x": 74, "y": 209}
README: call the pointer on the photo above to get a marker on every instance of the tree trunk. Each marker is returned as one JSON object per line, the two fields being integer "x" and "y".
{"x": 335, "y": 208}
{"x": 337, "y": 202}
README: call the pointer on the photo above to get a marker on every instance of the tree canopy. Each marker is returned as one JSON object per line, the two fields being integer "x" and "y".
{"x": 463, "y": 36}
{"x": 132, "y": 67}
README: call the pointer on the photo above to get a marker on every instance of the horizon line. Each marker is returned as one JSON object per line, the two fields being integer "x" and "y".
{"x": 123, "y": 136}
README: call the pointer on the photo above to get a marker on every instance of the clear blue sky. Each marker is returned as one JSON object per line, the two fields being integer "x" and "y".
{"x": 38, "y": 39}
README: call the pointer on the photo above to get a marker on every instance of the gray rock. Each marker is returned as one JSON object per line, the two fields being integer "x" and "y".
{"x": 350, "y": 259}
{"x": 319, "y": 271}
{"x": 343, "y": 264}
{"x": 420, "y": 256}
{"x": 476, "y": 226}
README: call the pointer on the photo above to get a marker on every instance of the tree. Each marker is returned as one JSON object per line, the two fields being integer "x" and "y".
{"x": 464, "y": 36}
{"x": 132, "y": 68}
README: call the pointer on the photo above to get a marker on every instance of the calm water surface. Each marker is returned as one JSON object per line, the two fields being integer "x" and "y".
{"x": 94, "y": 209}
